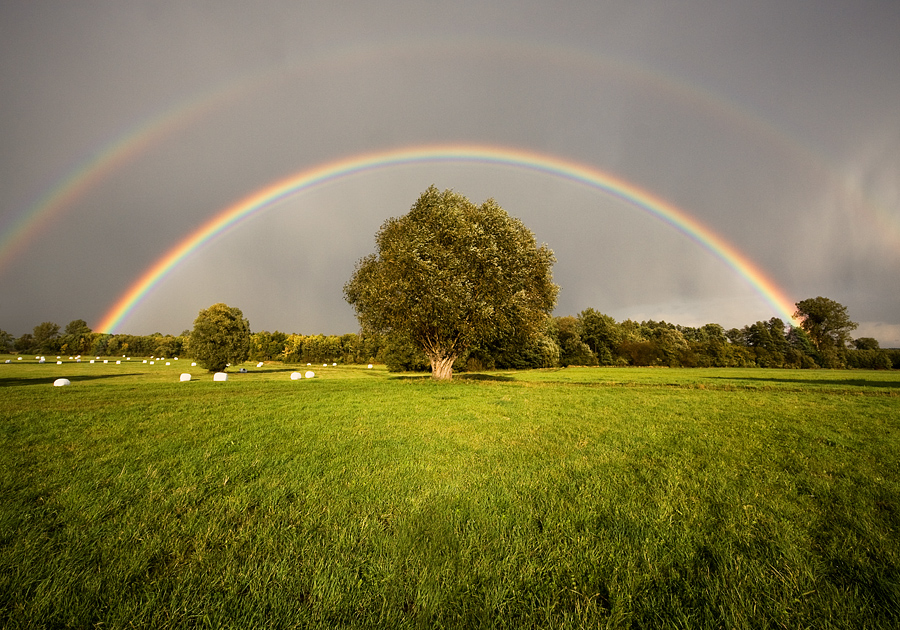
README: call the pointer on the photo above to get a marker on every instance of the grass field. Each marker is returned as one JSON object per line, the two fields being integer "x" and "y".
{"x": 579, "y": 497}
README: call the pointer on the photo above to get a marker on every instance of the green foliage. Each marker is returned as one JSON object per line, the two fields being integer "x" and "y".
{"x": 267, "y": 346}
{"x": 450, "y": 275}
{"x": 401, "y": 354}
{"x": 46, "y": 337}
{"x": 866, "y": 343}
{"x": 6, "y": 341}
{"x": 827, "y": 324}
{"x": 601, "y": 334}
{"x": 572, "y": 350}
{"x": 221, "y": 336}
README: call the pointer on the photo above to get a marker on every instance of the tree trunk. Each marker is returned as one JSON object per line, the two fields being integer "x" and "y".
{"x": 442, "y": 368}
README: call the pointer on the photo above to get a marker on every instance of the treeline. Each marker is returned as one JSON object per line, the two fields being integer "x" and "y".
{"x": 590, "y": 338}
{"x": 78, "y": 339}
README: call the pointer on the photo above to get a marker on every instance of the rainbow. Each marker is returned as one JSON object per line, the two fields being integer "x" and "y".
{"x": 109, "y": 158}
{"x": 278, "y": 191}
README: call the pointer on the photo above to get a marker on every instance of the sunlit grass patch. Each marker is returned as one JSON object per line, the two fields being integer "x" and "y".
{"x": 568, "y": 498}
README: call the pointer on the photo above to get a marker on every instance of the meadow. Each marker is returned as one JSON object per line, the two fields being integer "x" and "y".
{"x": 567, "y": 498}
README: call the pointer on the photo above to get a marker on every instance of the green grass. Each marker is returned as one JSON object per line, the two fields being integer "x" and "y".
{"x": 583, "y": 497}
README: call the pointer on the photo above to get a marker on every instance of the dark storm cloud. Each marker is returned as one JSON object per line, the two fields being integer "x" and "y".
{"x": 776, "y": 124}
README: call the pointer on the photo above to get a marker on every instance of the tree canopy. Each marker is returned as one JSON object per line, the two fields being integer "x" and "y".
{"x": 825, "y": 321}
{"x": 450, "y": 274}
{"x": 221, "y": 336}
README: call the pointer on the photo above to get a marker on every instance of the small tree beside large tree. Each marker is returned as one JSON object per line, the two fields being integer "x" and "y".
{"x": 221, "y": 336}
{"x": 449, "y": 275}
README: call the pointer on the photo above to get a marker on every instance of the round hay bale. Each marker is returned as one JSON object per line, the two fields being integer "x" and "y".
{"x": 260, "y": 364}
{"x": 194, "y": 364}
{"x": 168, "y": 363}
{"x": 370, "y": 366}
{"x": 118, "y": 363}
{"x": 92, "y": 360}
{"x": 59, "y": 363}
{"x": 220, "y": 376}
{"x": 185, "y": 377}
{"x": 310, "y": 374}
{"x": 61, "y": 382}
{"x": 296, "y": 376}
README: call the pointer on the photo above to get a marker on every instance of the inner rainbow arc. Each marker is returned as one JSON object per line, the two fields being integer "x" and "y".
{"x": 609, "y": 184}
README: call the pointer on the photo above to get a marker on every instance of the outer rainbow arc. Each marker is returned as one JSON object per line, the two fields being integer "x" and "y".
{"x": 280, "y": 190}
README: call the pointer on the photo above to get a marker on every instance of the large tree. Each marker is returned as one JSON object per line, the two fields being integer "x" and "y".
{"x": 449, "y": 275}
{"x": 825, "y": 321}
{"x": 220, "y": 336}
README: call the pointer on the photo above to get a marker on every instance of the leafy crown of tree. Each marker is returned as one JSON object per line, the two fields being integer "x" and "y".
{"x": 450, "y": 274}
{"x": 221, "y": 335}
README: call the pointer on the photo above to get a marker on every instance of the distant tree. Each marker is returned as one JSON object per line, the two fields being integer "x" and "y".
{"x": 601, "y": 333}
{"x": 450, "y": 275}
{"x": 826, "y": 322}
{"x": 266, "y": 346}
{"x": 169, "y": 346}
{"x": 25, "y": 343}
{"x": 572, "y": 350}
{"x": 221, "y": 335}
{"x": 77, "y": 336}
{"x": 6, "y": 341}
{"x": 46, "y": 337}
{"x": 866, "y": 343}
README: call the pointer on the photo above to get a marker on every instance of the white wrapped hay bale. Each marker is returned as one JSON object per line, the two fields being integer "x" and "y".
{"x": 185, "y": 377}
{"x": 310, "y": 374}
{"x": 220, "y": 376}
{"x": 61, "y": 382}
{"x": 296, "y": 376}
{"x": 260, "y": 364}
{"x": 370, "y": 366}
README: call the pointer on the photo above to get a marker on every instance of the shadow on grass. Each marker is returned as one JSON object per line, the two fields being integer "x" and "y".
{"x": 456, "y": 377}
{"x": 850, "y": 382}
{"x": 484, "y": 377}
{"x": 48, "y": 380}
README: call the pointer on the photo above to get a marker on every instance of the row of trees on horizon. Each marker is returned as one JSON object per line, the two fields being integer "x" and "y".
{"x": 589, "y": 338}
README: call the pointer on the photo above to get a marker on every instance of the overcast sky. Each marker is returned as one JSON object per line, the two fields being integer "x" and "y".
{"x": 775, "y": 124}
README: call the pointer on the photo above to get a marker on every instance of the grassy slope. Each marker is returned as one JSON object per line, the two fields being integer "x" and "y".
{"x": 598, "y": 497}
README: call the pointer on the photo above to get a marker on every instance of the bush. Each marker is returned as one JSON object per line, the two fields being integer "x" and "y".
{"x": 221, "y": 336}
